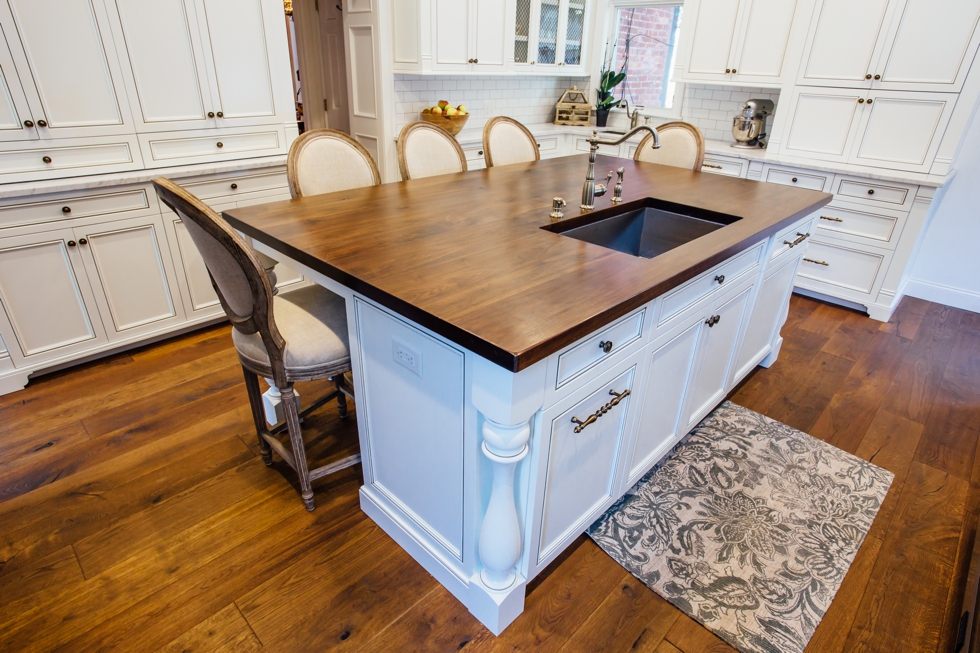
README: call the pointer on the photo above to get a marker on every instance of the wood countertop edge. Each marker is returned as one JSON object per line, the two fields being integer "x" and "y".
{"x": 517, "y": 361}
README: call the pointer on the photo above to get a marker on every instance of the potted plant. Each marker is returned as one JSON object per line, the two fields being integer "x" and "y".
{"x": 608, "y": 80}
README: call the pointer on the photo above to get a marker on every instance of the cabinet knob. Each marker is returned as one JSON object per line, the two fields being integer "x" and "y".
{"x": 66, "y": 210}
{"x": 870, "y": 100}
{"x": 720, "y": 278}
{"x": 877, "y": 76}
{"x": 42, "y": 123}
{"x": 606, "y": 346}
{"x": 210, "y": 114}
{"x": 220, "y": 145}
{"x": 860, "y": 100}
{"x": 794, "y": 180}
{"x": 713, "y": 320}
{"x": 46, "y": 159}
{"x": 221, "y": 114}
{"x": 480, "y": 153}
{"x": 868, "y": 76}
{"x": 871, "y": 191}
{"x": 234, "y": 186}
{"x": 71, "y": 243}
{"x": 28, "y": 123}
{"x": 734, "y": 71}
{"x": 82, "y": 241}
{"x": 728, "y": 71}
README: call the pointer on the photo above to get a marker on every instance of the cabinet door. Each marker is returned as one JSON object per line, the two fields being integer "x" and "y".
{"x": 48, "y": 301}
{"x": 844, "y": 42}
{"x": 823, "y": 122}
{"x": 767, "y": 317}
{"x": 668, "y": 373}
{"x": 166, "y": 77}
{"x": 713, "y": 33}
{"x": 716, "y": 351}
{"x": 549, "y": 16}
{"x": 129, "y": 264}
{"x": 66, "y": 59}
{"x": 16, "y": 123}
{"x": 931, "y": 46}
{"x": 490, "y": 35}
{"x": 451, "y": 35}
{"x": 236, "y": 36}
{"x": 765, "y": 35}
{"x": 901, "y": 131}
{"x": 197, "y": 293}
{"x": 573, "y": 40}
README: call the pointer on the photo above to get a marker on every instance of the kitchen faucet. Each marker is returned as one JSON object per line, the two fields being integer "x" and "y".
{"x": 589, "y": 190}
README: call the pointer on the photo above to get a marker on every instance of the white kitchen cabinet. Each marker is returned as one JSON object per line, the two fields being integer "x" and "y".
{"x": 49, "y": 309}
{"x": 913, "y": 45}
{"x": 549, "y": 35}
{"x": 16, "y": 123}
{"x": 843, "y": 269}
{"x": 129, "y": 264}
{"x": 66, "y": 60}
{"x": 469, "y": 36}
{"x": 197, "y": 293}
{"x": 738, "y": 41}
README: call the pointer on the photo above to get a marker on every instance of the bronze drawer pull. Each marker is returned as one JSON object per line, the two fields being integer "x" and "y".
{"x": 713, "y": 320}
{"x": 709, "y": 165}
{"x": 617, "y": 397}
{"x": 71, "y": 243}
{"x": 66, "y": 210}
{"x": 824, "y": 217}
{"x": 42, "y": 123}
{"x": 221, "y": 114}
{"x": 871, "y": 191}
{"x": 28, "y": 123}
{"x": 210, "y": 114}
{"x": 606, "y": 346}
{"x": 720, "y": 279}
{"x": 46, "y": 159}
{"x": 82, "y": 241}
{"x": 823, "y": 263}
{"x": 220, "y": 145}
{"x": 796, "y": 242}
{"x": 234, "y": 186}
{"x": 794, "y": 180}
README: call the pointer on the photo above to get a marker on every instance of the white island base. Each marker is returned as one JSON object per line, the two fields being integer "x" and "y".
{"x": 484, "y": 476}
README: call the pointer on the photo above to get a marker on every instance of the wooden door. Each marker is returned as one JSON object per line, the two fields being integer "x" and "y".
{"x": 49, "y": 306}
{"x": 334, "y": 67}
{"x": 160, "y": 47}
{"x": 714, "y": 26}
{"x": 246, "y": 68}
{"x": 16, "y": 122}
{"x": 931, "y": 46}
{"x": 822, "y": 122}
{"x": 901, "y": 131}
{"x": 766, "y": 27}
{"x": 490, "y": 35}
{"x": 66, "y": 60}
{"x": 451, "y": 34}
{"x": 844, "y": 42}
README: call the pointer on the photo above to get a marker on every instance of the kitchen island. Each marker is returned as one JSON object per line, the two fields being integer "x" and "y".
{"x": 512, "y": 381}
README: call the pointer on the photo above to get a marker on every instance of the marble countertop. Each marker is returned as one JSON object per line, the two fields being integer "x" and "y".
{"x": 31, "y": 188}
{"x": 723, "y": 148}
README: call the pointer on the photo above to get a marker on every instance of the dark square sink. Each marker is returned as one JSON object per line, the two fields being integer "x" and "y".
{"x": 647, "y": 227}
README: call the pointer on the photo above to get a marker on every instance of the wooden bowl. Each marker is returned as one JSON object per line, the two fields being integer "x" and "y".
{"x": 452, "y": 124}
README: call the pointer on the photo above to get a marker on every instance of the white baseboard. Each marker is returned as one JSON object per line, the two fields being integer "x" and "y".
{"x": 966, "y": 300}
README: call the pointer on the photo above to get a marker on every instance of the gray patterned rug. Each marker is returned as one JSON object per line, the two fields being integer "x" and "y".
{"x": 748, "y": 526}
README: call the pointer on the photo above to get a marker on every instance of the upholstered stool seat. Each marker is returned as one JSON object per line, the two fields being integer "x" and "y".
{"x": 681, "y": 146}
{"x": 507, "y": 141}
{"x": 313, "y": 322}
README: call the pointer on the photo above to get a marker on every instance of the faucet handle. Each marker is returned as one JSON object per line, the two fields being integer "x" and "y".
{"x": 620, "y": 174}
{"x": 556, "y": 208}
{"x": 609, "y": 177}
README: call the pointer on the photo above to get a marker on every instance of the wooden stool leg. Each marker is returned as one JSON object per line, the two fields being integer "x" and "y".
{"x": 258, "y": 414}
{"x": 341, "y": 397}
{"x": 299, "y": 450}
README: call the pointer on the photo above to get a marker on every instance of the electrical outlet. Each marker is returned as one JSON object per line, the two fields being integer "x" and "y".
{"x": 406, "y": 356}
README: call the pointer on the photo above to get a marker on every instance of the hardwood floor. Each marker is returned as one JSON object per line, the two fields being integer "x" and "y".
{"x": 136, "y": 514}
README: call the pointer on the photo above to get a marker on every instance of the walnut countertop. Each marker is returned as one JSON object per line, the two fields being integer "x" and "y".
{"x": 464, "y": 254}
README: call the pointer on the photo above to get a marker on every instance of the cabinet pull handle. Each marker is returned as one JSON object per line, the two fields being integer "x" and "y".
{"x": 234, "y": 186}
{"x": 82, "y": 241}
{"x": 824, "y": 217}
{"x": 734, "y": 71}
{"x": 710, "y": 165}
{"x": 868, "y": 76}
{"x": 796, "y": 242}
{"x": 220, "y": 145}
{"x": 71, "y": 243}
{"x": 870, "y": 100}
{"x": 720, "y": 278}
{"x": 617, "y": 397}
{"x": 794, "y": 180}
{"x": 871, "y": 191}
{"x": 210, "y": 114}
{"x": 476, "y": 61}
{"x": 728, "y": 71}
{"x": 713, "y": 320}
{"x": 66, "y": 210}
{"x": 823, "y": 263}
{"x": 28, "y": 123}
{"x": 860, "y": 100}
{"x": 221, "y": 114}
{"x": 877, "y": 76}
{"x": 606, "y": 346}
{"x": 42, "y": 123}
{"x": 480, "y": 153}
{"x": 46, "y": 159}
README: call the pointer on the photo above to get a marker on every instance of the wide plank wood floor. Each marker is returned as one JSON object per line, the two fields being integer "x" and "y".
{"x": 136, "y": 514}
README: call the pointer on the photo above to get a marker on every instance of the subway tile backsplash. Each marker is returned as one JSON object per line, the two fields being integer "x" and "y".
{"x": 712, "y": 108}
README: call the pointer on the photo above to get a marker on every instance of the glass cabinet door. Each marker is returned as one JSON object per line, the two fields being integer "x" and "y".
{"x": 548, "y": 32}
{"x": 522, "y": 31}
{"x": 574, "y": 26}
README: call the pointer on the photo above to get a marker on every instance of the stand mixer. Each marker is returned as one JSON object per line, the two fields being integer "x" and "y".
{"x": 749, "y": 127}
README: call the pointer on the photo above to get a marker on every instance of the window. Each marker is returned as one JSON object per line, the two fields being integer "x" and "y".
{"x": 644, "y": 46}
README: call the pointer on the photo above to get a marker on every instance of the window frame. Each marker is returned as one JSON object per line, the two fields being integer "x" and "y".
{"x": 607, "y": 36}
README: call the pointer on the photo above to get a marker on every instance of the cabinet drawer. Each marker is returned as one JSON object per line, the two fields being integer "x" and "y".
{"x": 842, "y": 266}
{"x": 687, "y": 295}
{"x": 195, "y": 147}
{"x": 874, "y": 193}
{"x": 589, "y": 352}
{"x": 92, "y": 156}
{"x": 547, "y": 144}
{"x": 473, "y": 153}
{"x": 728, "y": 167}
{"x": 798, "y": 178}
{"x": 237, "y": 185}
{"x": 785, "y": 240}
{"x": 130, "y": 202}
{"x": 878, "y": 228}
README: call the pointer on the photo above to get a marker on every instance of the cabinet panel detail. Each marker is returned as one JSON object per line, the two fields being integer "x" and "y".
{"x": 714, "y": 34}
{"x": 843, "y": 42}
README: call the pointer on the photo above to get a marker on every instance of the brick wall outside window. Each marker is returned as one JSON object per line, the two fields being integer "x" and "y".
{"x": 650, "y": 31}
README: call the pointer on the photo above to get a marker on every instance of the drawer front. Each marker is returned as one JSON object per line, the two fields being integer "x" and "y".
{"x": 125, "y": 203}
{"x": 842, "y": 266}
{"x": 608, "y": 342}
{"x": 237, "y": 185}
{"x": 52, "y": 162}
{"x": 876, "y": 228}
{"x": 193, "y": 147}
{"x": 786, "y": 240}
{"x": 547, "y": 145}
{"x": 473, "y": 153}
{"x": 687, "y": 295}
{"x": 727, "y": 167}
{"x": 582, "y": 145}
{"x": 874, "y": 193}
{"x": 798, "y": 178}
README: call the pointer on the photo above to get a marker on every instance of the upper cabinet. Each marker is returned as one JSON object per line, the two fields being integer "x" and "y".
{"x": 68, "y": 73}
{"x": 738, "y": 41}
{"x": 197, "y": 64}
{"x": 913, "y": 45}
{"x": 547, "y": 37}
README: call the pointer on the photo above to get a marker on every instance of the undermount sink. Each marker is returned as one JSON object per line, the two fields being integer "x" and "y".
{"x": 647, "y": 227}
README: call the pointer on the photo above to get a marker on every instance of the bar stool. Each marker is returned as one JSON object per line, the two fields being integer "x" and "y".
{"x": 425, "y": 150}
{"x": 506, "y": 141}
{"x": 681, "y": 146}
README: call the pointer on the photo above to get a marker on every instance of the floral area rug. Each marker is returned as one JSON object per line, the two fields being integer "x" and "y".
{"x": 748, "y": 526}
